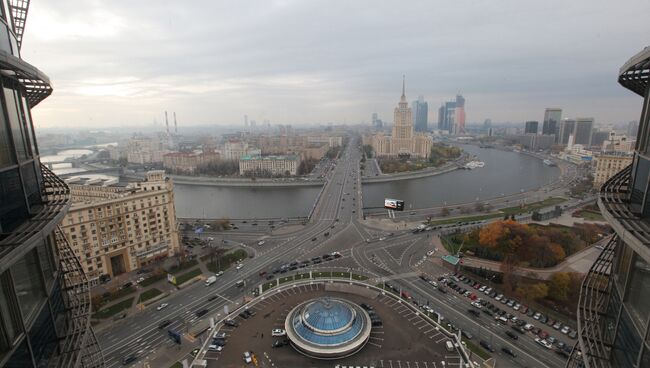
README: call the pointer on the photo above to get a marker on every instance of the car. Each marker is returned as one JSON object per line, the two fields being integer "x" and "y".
{"x": 557, "y": 325}
{"x": 551, "y": 322}
{"x": 433, "y": 283}
{"x": 573, "y": 334}
{"x": 482, "y": 288}
{"x": 270, "y": 276}
{"x": 261, "y": 242}
{"x": 537, "y": 316}
{"x": 551, "y": 339}
{"x": 247, "y": 357}
{"x": 336, "y": 255}
{"x": 467, "y": 335}
{"x": 474, "y": 312}
{"x": 509, "y": 351}
{"x": 201, "y": 312}
{"x": 565, "y": 330}
{"x": 543, "y": 342}
{"x": 129, "y": 359}
{"x": 517, "y": 307}
{"x": 243, "y": 315}
{"x": 249, "y": 312}
{"x": 512, "y": 335}
{"x": 220, "y": 273}
{"x": 543, "y": 319}
{"x": 523, "y": 309}
{"x": 216, "y": 348}
{"x": 430, "y": 253}
{"x": 280, "y": 343}
{"x": 278, "y": 332}
{"x": 486, "y": 345}
{"x": 442, "y": 290}
{"x": 162, "y": 306}
{"x": 519, "y": 329}
{"x": 231, "y": 323}
{"x": 406, "y": 295}
{"x": 499, "y": 297}
{"x": 139, "y": 280}
{"x": 487, "y": 291}
{"x": 313, "y": 239}
{"x": 213, "y": 297}
{"x": 366, "y": 306}
{"x": 194, "y": 352}
{"x": 543, "y": 334}
{"x": 239, "y": 266}
{"x": 164, "y": 324}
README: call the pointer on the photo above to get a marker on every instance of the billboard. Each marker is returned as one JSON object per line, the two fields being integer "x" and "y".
{"x": 394, "y": 204}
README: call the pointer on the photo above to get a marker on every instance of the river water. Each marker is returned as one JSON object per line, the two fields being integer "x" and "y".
{"x": 504, "y": 173}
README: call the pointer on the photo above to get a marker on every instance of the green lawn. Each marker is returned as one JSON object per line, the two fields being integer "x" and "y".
{"x": 341, "y": 274}
{"x": 119, "y": 294}
{"x": 453, "y": 220}
{"x": 359, "y": 277}
{"x": 321, "y": 274}
{"x": 183, "y": 266}
{"x": 187, "y": 276}
{"x": 176, "y": 365}
{"x": 113, "y": 309}
{"x": 227, "y": 260}
{"x": 149, "y": 294}
{"x": 535, "y": 206}
{"x": 152, "y": 279}
{"x": 476, "y": 349}
{"x": 591, "y": 215}
{"x": 286, "y": 279}
{"x": 268, "y": 285}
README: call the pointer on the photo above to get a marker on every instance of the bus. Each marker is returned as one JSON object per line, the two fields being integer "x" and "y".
{"x": 394, "y": 204}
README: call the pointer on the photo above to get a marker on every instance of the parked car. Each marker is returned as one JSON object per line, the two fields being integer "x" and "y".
{"x": 247, "y": 357}
{"x": 231, "y": 323}
{"x": 162, "y": 306}
{"x": 512, "y": 335}
{"x": 278, "y": 332}
{"x": 487, "y": 346}
{"x": 565, "y": 330}
{"x": 509, "y": 351}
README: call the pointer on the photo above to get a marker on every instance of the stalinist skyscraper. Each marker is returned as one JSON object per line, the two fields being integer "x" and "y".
{"x": 402, "y": 138}
{"x": 402, "y": 141}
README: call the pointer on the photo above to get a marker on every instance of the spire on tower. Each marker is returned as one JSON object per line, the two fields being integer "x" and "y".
{"x": 403, "y": 87}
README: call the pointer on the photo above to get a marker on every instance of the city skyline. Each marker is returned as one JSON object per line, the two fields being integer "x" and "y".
{"x": 210, "y": 71}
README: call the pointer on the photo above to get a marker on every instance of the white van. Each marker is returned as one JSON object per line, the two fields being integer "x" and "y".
{"x": 240, "y": 283}
{"x": 449, "y": 345}
{"x": 210, "y": 280}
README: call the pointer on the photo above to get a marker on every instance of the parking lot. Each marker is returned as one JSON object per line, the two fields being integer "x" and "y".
{"x": 404, "y": 340}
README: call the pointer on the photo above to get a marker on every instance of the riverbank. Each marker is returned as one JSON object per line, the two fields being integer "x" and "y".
{"x": 237, "y": 182}
{"x": 411, "y": 174}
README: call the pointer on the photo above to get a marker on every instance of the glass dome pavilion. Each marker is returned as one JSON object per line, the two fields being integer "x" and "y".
{"x": 328, "y": 328}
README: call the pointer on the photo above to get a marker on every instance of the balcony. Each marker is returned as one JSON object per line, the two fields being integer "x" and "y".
{"x": 79, "y": 347}
{"x": 614, "y": 205}
{"x": 55, "y": 196}
{"x": 593, "y": 349}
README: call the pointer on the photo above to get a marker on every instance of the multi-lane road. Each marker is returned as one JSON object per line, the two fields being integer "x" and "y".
{"x": 338, "y": 212}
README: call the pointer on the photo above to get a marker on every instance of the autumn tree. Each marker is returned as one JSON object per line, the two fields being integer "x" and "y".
{"x": 533, "y": 292}
{"x": 558, "y": 286}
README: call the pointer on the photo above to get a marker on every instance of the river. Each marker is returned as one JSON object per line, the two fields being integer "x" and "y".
{"x": 504, "y": 173}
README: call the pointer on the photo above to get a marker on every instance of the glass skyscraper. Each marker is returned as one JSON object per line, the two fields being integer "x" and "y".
{"x": 44, "y": 294}
{"x": 614, "y": 305}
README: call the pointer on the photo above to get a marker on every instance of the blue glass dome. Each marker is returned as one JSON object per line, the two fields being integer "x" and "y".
{"x": 327, "y": 315}
{"x": 328, "y": 323}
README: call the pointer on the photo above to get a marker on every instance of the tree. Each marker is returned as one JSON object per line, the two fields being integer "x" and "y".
{"x": 558, "y": 285}
{"x": 479, "y": 207}
{"x": 533, "y": 292}
{"x": 444, "y": 211}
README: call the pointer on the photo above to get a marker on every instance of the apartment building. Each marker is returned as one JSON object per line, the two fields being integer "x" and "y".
{"x": 276, "y": 165}
{"x": 115, "y": 228}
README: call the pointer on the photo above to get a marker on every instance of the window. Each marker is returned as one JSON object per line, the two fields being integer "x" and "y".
{"x": 9, "y": 314}
{"x": 13, "y": 209}
{"x": 28, "y": 283}
{"x": 638, "y": 293}
{"x": 15, "y": 124}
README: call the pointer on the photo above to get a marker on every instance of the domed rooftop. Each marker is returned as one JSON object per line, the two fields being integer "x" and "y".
{"x": 328, "y": 328}
{"x": 328, "y": 315}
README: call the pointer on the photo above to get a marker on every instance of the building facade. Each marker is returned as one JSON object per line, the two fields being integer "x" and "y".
{"x": 614, "y": 303}
{"x": 567, "y": 128}
{"x": 44, "y": 294}
{"x": 583, "y": 131}
{"x": 420, "y": 114}
{"x": 552, "y": 118}
{"x": 531, "y": 127}
{"x": 187, "y": 162}
{"x": 119, "y": 228}
{"x": 608, "y": 164}
{"x": 275, "y": 165}
{"x": 403, "y": 140}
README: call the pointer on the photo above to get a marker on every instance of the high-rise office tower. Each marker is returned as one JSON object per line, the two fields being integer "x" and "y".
{"x": 614, "y": 304}
{"x": 551, "y": 122}
{"x": 487, "y": 124}
{"x": 632, "y": 128}
{"x": 583, "y": 131}
{"x": 44, "y": 295}
{"x": 567, "y": 127}
{"x": 420, "y": 110}
{"x": 460, "y": 115}
{"x": 447, "y": 116}
{"x": 531, "y": 127}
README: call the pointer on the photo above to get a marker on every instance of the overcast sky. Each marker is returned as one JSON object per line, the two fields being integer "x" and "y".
{"x": 116, "y": 63}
